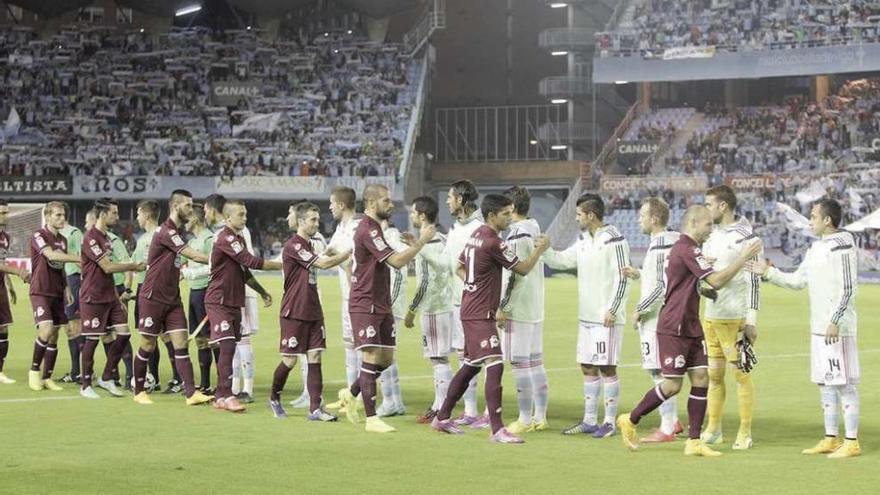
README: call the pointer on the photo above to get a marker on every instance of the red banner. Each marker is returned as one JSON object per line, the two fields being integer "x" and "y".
{"x": 766, "y": 181}
{"x": 611, "y": 183}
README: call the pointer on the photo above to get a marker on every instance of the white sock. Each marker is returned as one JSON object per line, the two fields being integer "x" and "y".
{"x": 351, "y": 366}
{"x": 470, "y": 395}
{"x": 387, "y": 388}
{"x": 540, "y": 391}
{"x": 442, "y": 377}
{"x": 304, "y": 366}
{"x": 236, "y": 371}
{"x": 524, "y": 399}
{"x": 248, "y": 371}
{"x": 612, "y": 398}
{"x": 830, "y": 408}
{"x": 396, "y": 392}
{"x": 849, "y": 396}
{"x": 592, "y": 384}
{"x": 668, "y": 409}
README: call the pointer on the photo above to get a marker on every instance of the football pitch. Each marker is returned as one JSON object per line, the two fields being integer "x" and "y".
{"x": 56, "y": 442}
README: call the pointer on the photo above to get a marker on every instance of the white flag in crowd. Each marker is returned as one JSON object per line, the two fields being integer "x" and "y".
{"x": 871, "y": 221}
{"x": 261, "y": 122}
{"x": 794, "y": 220}
{"x": 13, "y": 123}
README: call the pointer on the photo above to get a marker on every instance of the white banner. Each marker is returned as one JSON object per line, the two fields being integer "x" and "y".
{"x": 871, "y": 221}
{"x": 271, "y": 185}
{"x": 261, "y": 122}
{"x": 680, "y": 52}
{"x": 794, "y": 220}
{"x": 118, "y": 186}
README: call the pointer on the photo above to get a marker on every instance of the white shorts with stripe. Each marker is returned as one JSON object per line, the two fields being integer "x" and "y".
{"x": 599, "y": 345}
{"x": 250, "y": 317}
{"x": 437, "y": 334}
{"x": 347, "y": 334}
{"x": 835, "y": 364}
{"x": 457, "y": 329}
{"x": 648, "y": 342}
{"x": 522, "y": 342}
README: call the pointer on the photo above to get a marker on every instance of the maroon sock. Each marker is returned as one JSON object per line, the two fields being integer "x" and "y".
{"x": 696, "y": 411}
{"x": 49, "y": 360}
{"x": 367, "y": 379}
{"x": 172, "y": 356}
{"x": 457, "y": 387}
{"x": 111, "y": 369}
{"x": 315, "y": 386}
{"x": 649, "y": 402}
{"x": 154, "y": 364}
{"x": 215, "y": 351}
{"x": 493, "y": 394}
{"x": 224, "y": 369}
{"x": 141, "y": 359}
{"x": 279, "y": 378}
{"x": 39, "y": 351}
{"x": 88, "y": 361}
{"x": 4, "y": 348}
{"x": 355, "y": 388}
{"x": 184, "y": 368}
{"x": 205, "y": 368}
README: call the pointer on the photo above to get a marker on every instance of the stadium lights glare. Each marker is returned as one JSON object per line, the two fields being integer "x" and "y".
{"x": 559, "y": 54}
{"x": 188, "y": 10}
{"x": 142, "y": 30}
{"x": 558, "y": 5}
{"x": 559, "y": 147}
{"x": 621, "y": 82}
{"x": 557, "y": 101}
{"x": 248, "y": 28}
{"x": 533, "y": 142}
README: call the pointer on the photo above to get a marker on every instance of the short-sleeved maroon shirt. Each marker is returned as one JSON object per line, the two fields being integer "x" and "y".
{"x": 230, "y": 264}
{"x": 47, "y": 278}
{"x": 484, "y": 256}
{"x": 685, "y": 267}
{"x": 371, "y": 279}
{"x": 97, "y": 287}
{"x": 301, "y": 301}
{"x": 5, "y": 242}
{"x": 162, "y": 283}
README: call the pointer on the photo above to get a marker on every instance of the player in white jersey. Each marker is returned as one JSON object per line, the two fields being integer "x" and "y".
{"x": 600, "y": 255}
{"x": 730, "y": 317}
{"x": 829, "y": 271}
{"x": 392, "y": 397}
{"x": 653, "y": 220}
{"x": 462, "y": 203}
{"x": 243, "y": 363}
{"x": 433, "y": 299}
{"x": 521, "y": 320}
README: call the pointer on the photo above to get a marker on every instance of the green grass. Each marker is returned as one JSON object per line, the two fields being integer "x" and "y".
{"x": 111, "y": 445}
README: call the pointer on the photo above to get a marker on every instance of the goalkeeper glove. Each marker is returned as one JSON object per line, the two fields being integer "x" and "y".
{"x": 747, "y": 357}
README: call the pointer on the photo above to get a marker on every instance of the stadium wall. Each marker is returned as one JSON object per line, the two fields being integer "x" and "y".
{"x": 508, "y": 173}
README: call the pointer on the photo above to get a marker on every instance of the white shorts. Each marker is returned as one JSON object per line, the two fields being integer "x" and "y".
{"x": 598, "y": 345}
{"x": 648, "y": 341}
{"x": 457, "y": 329}
{"x": 835, "y": 364}
{"x": 522, "y": 342}
{"x": 347, "y": 334}
{"x": 437, "y": 334}
{"x": 250, "y": 317}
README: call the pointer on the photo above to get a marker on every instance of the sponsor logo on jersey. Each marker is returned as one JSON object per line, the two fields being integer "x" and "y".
{"x": 237, "y": 247}
{"x": 379, "y": 243}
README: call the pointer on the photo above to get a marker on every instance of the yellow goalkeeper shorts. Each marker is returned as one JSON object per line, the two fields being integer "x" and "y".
{"x": 721, "y": 338}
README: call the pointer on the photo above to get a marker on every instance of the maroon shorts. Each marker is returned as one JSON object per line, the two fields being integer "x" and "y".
{"x": 680, "y": 354}
{"x": 300, "y": 336}
{"x": 48, "y": 308}
{"x": 99, "y": 318}
{"x": 225, "y": 322}
{"x": 480, "y": 340}
{"x": 373, "y": 330}
{"x": 5, "y": 310}
{"x": 155, "y": 317}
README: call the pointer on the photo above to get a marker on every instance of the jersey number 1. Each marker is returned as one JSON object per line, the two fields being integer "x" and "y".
{"x": 469, "y": 258}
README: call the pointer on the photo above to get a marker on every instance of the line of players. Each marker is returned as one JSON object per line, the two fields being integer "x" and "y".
{"x": 483, "y": 267}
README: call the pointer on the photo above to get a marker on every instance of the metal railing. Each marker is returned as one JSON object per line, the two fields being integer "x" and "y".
{"x": 415, "y": 119}
{"x": 565, "y": 86}
{"x": 565, "y": 132}
{"x": 433, "y": 18}
{"x": 574, "y": 38}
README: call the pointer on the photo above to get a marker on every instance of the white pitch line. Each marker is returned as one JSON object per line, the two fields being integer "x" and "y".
{"x": 431, "y": 377}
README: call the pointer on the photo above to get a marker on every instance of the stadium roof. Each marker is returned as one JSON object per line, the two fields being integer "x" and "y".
{"x": 49, "y": 8}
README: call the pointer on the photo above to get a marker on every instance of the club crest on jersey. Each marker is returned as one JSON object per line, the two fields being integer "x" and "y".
{"x": 484, "y": 344}
{"x": 177, "y": 240}
{"x": 291, "y": 343}
{"x": 379, "y": 243}
{"x": 236, "y": 246}
{"x": 371, "y": 332}
{"x": 91, "y": 242}
{"x": 40, "y": 311}
{"x": 96, "y": 323}
{"x": 297, "y": 246}
{"x": 224, "y": 326}
{"x": 87, "y": 323}
{"x": 230, "y": 238}
{"x": 493, "y": 341}
{"x": 148, "y": 322}
{"x": 679, "y": 361}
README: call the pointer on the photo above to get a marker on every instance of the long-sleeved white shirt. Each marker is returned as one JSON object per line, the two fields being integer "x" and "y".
{"x": 343, "y": 240}
{"x": 522, "y": 297}
{"x": 433, "y": 289}
{"x": 740, "y": 298}
{"x": 599, "y": 259}
{"x": 653, "y": 275}
{"x": 398, "y": 276}
{"x": 830, "y": 273}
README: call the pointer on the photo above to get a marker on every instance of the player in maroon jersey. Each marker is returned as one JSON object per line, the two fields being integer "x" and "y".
{"x": 161, "y": 309}
{"x": 370, "y": 301}
{"x": 481, "y": 263}
{"x": 680, "y": 343}
{"x": 302, "y": 318}
{"x": 231, "y": 265}
{"x": 101, "y": 309}
{"x": 5, "y": 311}
{"x": 47, "y": 293}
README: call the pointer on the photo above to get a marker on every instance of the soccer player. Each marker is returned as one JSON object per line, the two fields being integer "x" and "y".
{"x": 462, "y": 203}
{"x": 122, "y": 282}
{"x": 521, "y": 319}
{"x": 100, "y": 307}
{"x": 75, "y": 339}
{"x": 653, "y": 220}
{"x": 733, "y": 315}
{"x": 679, "y": 332}
{"x": 433, "y": 298}
{"x": 5, "y": 311}
{"x": 480, "y": 267}
{"x": 829, "y": 272}
{"x": 47, "y": 294}
{"x": 599, "y": 255}
{"x": 370, "y": 302}
{"x": 230, "y": 271}
{"x": 196, "y": 275}
{"x": 161, "y": 309}
{"x": 392, "y": 396}
{"x": 244, "y": 363}
{"x": 302, "y": 317}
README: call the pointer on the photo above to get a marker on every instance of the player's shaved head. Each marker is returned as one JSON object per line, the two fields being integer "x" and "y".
{"x": 232, "y": 206}
{"x": 374, "y": 192}
{"x": 697, "y": 223}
